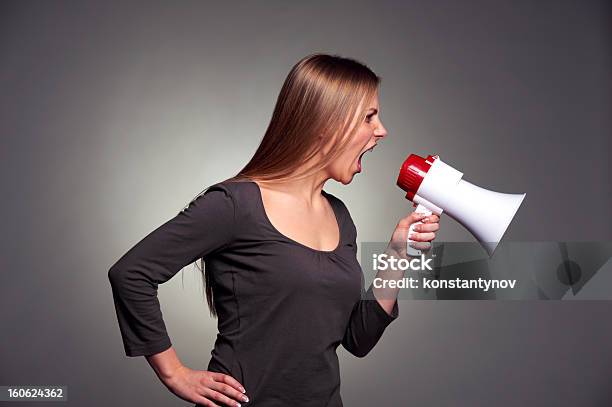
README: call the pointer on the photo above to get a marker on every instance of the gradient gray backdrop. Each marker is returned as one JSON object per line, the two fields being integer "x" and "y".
{"x": 114, "y": 115}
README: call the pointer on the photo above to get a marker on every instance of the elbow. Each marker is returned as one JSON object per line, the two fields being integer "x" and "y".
{"x": 360, "y": 353}
{"x": 360, "y": 350}
{"x": 115, "y": 275}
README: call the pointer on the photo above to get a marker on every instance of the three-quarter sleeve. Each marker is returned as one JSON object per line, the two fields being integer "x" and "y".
{"x": 368, "y": 318}
{"x": 367, "y": 323}
{"x": 205, "y": 226}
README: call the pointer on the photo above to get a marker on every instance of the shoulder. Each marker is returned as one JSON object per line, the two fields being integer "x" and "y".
{"x": 242, "y": 195}
{"x": 215, "y": 199}
{"x": 235, "y": 190}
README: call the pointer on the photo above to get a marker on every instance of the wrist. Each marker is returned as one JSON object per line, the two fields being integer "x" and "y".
{"x": 393, "y": 251}
{"x": 166, "y": 364}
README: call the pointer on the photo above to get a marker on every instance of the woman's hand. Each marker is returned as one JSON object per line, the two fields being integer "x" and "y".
{"x": 197, "y": 386}
{"x": 205, "y": 388}
{"x": 422, "y": 236}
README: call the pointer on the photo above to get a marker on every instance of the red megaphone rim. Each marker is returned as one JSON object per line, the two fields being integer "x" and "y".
{"x": 413, "y": 172}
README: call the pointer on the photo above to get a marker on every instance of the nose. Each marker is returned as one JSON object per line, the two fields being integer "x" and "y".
{"x": 380, "y": 131}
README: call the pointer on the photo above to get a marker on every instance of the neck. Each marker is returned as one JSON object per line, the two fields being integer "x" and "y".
{"x": 307, "y": 190}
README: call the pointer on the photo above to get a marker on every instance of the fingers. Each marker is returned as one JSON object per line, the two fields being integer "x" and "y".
{"x": 229, "y": 391}
{"x": 413, "y": 217}
{"x": 426, "y": 227}
{"x": 202, "y": 401}
{"x": 422, "y": 237}
{"x": 433, "y": 218}
{"x": 221, "y": 388}
{"x": 227, "y": 379}
{"x": 211, "y": 394}
{"x": 424, "y": 232}
{"x": 423, "y": 246}
{"x": 418, "y": 217}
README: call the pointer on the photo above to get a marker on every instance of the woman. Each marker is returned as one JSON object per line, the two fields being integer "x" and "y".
{"x": 281, "y": 269}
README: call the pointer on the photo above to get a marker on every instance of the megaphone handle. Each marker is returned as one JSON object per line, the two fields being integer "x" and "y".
{"x": 411, "y": 251}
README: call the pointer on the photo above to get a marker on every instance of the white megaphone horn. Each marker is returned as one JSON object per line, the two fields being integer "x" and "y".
{"x": 436, "y": 187}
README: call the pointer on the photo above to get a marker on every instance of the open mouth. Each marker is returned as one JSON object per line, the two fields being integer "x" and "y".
{"x": 361, "y": 155}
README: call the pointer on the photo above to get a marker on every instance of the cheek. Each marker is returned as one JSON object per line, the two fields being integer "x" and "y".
{"x": 351, "y": 152}
{"x": 343, "y": 163}
{"x": 363, "y": 138}
{"x": 350, "y": 155}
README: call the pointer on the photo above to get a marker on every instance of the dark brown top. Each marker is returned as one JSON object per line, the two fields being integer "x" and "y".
{"x": 283, "y": 308}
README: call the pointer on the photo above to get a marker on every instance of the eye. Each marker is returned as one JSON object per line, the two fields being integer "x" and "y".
{"x": 368, "y": 118}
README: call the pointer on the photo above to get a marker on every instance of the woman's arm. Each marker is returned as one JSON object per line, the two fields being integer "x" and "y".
{"x": 385, "y": 295}
{"x": 198, "y": 386}
{"x": 378, "y": 307}
{"x": 165, "y": 364}
{"x": 205, "y": 226}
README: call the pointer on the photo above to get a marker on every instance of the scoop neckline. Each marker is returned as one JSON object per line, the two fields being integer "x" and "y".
{"x": 269, "y": 222}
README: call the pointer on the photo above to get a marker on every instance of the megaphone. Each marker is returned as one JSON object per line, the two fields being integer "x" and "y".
{"x": 435, "y": 187}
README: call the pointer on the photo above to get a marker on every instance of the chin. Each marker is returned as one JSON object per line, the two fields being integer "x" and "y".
{"x": 347, "y": 180}
{"x": 344, "y": 179}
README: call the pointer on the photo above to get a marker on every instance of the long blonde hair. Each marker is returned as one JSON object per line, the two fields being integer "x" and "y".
{"x": 318, "y": 104}
{"x": 321, "y": 102}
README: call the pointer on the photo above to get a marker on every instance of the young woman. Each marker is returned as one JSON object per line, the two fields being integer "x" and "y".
{"x": 281, "y": 269}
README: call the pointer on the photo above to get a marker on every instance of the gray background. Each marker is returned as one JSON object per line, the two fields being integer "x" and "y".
{"x": 114, "y": 115}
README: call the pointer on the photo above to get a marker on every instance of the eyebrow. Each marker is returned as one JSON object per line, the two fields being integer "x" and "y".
{"x": 373, "y": 108}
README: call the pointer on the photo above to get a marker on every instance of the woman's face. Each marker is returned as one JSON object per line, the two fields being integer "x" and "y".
{"x": 370, "y": 130}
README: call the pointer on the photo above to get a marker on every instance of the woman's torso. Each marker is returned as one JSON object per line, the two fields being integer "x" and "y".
{"x": 282, "y": 307}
